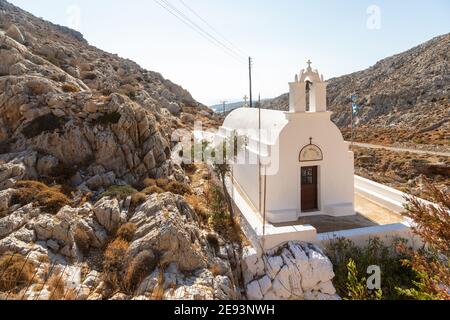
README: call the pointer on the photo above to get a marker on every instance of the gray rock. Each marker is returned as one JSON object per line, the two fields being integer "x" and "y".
{"x": 15, "y": 33}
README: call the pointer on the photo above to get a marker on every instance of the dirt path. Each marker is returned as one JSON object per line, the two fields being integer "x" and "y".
{"x": 395, "y": 149}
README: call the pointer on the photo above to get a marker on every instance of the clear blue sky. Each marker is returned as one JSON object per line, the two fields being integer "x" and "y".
{"x": 279, "y": 34}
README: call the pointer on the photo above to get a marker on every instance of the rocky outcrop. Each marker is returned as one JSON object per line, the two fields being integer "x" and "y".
{"x": 79, "y": 107}
{"x": 177, "y": 253}
{"x": 294, "y": 271}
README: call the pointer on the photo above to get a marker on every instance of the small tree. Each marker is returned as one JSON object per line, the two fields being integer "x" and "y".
{"x": 432, "y": 224}
{"x": 222, "y": 168}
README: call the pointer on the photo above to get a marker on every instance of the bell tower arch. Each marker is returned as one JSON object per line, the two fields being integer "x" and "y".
{"x": 317, "y": 91}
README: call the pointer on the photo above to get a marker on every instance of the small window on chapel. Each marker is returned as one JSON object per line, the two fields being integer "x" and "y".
{"x": 308, "y": 176}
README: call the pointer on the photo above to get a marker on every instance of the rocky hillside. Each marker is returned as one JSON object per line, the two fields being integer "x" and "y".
{"x": 84, "y": 107}
{"x": 410, "y": 90}
{"x": 81, "y": 130}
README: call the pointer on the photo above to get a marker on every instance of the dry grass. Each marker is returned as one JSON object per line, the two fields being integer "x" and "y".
{"x": 126, "y": 231}
{"x": 215, "y": 270}
{"x": 16, "y": 272}
{"x": 165, "y": 185}
{"x": 114, "y": 263}
{"x": 56, "y": 286}
{"x": 198, "y": 204}
{"x": 82, "y": 240}
{"x": 68, "y": 87}
{"x": 178, "y": 188}
{"x": 138, "y": 269}
{"x": 158, "y": 292}
{"x": 149, "y": 182}
{"x": 152, "y": 190}
{"x": 50, "y": 198}
{"x": 138, "y": 198}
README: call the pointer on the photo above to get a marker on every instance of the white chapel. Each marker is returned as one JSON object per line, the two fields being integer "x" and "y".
{"x": 299, "y": 163}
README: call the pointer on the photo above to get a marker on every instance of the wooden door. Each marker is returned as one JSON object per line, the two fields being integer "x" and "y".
{"x": 309, "y": 189}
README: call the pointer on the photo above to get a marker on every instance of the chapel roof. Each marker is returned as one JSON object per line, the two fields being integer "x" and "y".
{"x": 246, "y": 119}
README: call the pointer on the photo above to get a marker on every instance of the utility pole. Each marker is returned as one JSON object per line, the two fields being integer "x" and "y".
{"x": 259, "y": 154}
{"x": 224, "y": 108}
{"x": 250, "y": 80}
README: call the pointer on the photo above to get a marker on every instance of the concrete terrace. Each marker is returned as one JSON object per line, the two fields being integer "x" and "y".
{"x": 368, "y": 214}
{"x": 373, "y": 219}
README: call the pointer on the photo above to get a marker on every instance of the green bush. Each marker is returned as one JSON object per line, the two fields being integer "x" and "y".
{"x": 394, "y": 273}
{"x": 219, "y": 216}
{"x": 109, "y": 118}
{"x": 42, "y": 124}
{"x": 119, "y": 192}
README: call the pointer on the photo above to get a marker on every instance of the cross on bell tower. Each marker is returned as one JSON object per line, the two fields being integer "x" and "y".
{"x": 312, "y": 80}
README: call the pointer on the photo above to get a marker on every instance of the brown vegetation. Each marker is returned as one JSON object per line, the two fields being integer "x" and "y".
{"x": 82, "y": 240}
{"x": 165, "y": 185}
{"x": 402, "y": 170}
{"x": 16, "y": 272}
{"x": 126, "y": 231}
{"x": 68, "y": 87}
{"x": 432, "y": 224}
{"x": 114, "y": 262}
{"x": 50, "y": 198}
{"x": 139, "y": 268}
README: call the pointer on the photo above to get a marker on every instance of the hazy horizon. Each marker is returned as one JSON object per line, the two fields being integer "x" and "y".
{"x": 339, "y": 38}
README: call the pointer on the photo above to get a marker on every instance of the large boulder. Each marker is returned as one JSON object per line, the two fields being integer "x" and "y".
{"x": 15, "y": 33}
{"x": 294, "y": 271}
{"x": 166, "y": 224}
{"x": 108, "y": 214}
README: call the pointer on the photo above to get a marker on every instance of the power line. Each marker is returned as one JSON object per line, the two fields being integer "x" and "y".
{"x": 201, "y": 29}
{"x": 187, "y": 21}
{"x": 213, "y": 29}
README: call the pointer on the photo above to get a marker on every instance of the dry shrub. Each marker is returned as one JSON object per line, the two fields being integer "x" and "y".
{"x": 51, "y": 198}
{"x": 16, "y": 272}
{"x": 199, "y": 208}
{"x": 178, "y": 188}
{"x": 162, "y": 183}
{"x": 82, "y": 240}
{"x": 139, "y": 268}
{"x": 126, "y": 231}
{"x": 432, "y": 264}
{"x": 114, "y": 262}
{"x": 152, "y": 190}
{"x": 215, "y": 270}
{"x": 138, "y": 198}
{"x": 68, "y": 87}
{"x": 158, "y": 292}
{"x": 56, "y": 286}
{"x": 148, "y": 182}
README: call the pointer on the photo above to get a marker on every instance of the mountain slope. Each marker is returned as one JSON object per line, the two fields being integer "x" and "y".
{"x": 85, "y": 107}
{"x": 410, "y": 90}
{"x": 81, "y": 131}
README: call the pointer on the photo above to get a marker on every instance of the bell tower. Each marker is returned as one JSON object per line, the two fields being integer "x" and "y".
{"x": 317, "y": 92}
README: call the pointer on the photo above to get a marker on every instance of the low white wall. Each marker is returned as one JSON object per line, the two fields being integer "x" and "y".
{"x": 386, "y": 233}
{"x": 387, "y": 197}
